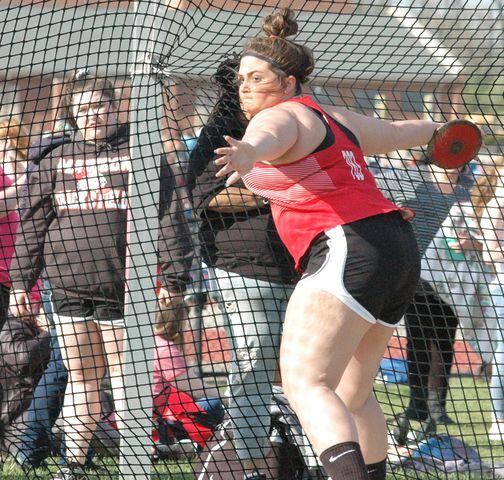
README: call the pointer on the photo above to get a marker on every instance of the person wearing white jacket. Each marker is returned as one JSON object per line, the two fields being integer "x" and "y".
{"x": 492, "y": 227}
{"x": 454, "y": 268}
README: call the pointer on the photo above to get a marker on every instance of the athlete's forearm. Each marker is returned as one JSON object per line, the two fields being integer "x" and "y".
{"x": 385, "y": 137}
{"x": 411, "y": 133}
{"x": 234, "y": 200}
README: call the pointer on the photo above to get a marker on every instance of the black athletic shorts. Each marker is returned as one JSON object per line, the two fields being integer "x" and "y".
{"x": 372, "y": 265}
{"x": 70, "y": 309}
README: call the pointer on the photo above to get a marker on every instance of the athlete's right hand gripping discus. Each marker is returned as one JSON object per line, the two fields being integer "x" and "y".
{"x": 454, "y": 144}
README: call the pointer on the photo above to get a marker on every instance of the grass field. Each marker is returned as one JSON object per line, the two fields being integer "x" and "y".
{"x": 469, "y": 406}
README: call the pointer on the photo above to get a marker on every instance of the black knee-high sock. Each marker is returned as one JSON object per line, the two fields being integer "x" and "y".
{"x": 344, "y": 462}
{"x": 377, "y": 471}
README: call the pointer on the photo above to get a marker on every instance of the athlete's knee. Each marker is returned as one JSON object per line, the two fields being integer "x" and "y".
{"x": 359, "y": 402}
{"x": 355, "y": 399}
{"x": 300, "y": 385}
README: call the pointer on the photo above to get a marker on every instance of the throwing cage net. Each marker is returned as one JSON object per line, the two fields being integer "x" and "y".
{"x": 142, "y": 300}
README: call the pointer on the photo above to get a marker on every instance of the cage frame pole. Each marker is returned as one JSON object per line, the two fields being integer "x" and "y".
{"x": 143, "y": 225}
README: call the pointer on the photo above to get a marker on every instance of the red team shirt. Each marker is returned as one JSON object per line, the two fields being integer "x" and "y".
{"x": 318, "y": 192}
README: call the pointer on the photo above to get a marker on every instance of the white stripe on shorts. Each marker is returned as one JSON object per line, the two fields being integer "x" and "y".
{"x": 63, "y": 319}
{"x": 329, "y": 278}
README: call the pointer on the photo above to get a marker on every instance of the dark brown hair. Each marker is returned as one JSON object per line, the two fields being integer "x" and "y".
{"x": 82, "y": 81}
{"x": 228, "y": 104}
{"x": 286, "y": 57}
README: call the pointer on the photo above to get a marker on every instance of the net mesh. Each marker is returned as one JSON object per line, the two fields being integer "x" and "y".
{"x": 141, "y": 307}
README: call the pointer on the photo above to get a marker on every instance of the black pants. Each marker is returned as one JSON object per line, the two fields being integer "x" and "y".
{"x": 4, "y": 304}
{"x": 431, "y": 326}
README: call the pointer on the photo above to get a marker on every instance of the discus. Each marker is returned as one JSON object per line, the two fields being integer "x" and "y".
{"x": 454, "y": 144}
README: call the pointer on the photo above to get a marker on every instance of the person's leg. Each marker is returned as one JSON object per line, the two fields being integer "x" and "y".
{"x": 356, "y": 391}
{"x": 254, "y": 312}
{"x": 82, "y": 351}
{"x": 442, "y": 354}
{"x": 438, "y": 387}
{"x": 478, "y": 325}
{"x": 321, "y": 335}
{"x": 419, "y": 331}
{"x": 36, "y": 440}
{"x": 4, "y": 304}
{"x": 113, "y": 337}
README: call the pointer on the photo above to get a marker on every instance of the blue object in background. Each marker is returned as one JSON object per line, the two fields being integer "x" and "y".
{"x": 190, "y": 142}
{"x": 437, "y": 447}
{"x": 393, "y": 370}
{"x": 446, "y": 449}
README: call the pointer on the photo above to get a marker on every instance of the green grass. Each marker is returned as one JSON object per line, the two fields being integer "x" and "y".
{"x": 163, "y": 471}
{"x": 469, "y": 405}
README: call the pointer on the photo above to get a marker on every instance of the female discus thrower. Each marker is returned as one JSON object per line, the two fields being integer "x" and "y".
{"x": 358, "y": 254}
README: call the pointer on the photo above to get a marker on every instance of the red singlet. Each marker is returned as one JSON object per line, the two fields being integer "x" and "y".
{"x": 328, "y": 188}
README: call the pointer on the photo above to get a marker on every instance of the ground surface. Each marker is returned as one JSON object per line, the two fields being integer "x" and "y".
{"x": 469, "y": 406}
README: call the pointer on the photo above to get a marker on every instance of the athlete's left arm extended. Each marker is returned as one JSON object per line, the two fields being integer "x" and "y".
{"x": 381, "y": 136}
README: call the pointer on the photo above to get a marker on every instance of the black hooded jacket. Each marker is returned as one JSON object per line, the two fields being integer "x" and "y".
{"x": 24, "y": 355}
{"x": 75, "y": 223}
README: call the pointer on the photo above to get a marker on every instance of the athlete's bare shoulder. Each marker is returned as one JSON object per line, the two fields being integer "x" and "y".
{"x": 341, "y": 114}
{"x": 303, "y": 114}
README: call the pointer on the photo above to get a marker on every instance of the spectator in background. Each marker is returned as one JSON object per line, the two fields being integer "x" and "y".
{"x": 76, "y": 227}
{"x": 431, "y": 324}
{"x": 24, "y": 353}
{"x": 454, "y": 267}
{"x": 24, "y": 346}
{"x": 492, "y": 227}
{"x": 175, "y": 149}
{"x": 251, "y": 271}
{"x": 170, "y": 365}
{"x": 36, "y": 440}
{"x": 201, "y": 411}
{"x": 14, "y": 142}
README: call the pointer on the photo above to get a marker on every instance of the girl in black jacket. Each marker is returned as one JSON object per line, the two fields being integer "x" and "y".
{"x": 75, "y": 226}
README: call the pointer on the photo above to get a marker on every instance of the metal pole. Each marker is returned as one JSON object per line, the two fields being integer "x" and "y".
{"x": 146, "y": 110}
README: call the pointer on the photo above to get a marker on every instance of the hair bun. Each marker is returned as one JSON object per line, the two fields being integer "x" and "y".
{"x": 280, "y": 23}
